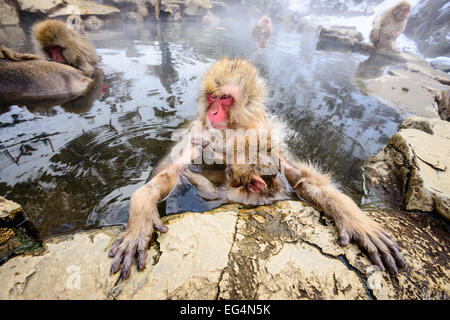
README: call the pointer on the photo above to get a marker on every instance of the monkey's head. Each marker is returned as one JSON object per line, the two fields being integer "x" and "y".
{"x": 232, "y": 95}
{"x": 52, "y": 37}
{"x": 59, "y": 43}
{"x": 245, "y": 176}
{"x": 401, "y": 11}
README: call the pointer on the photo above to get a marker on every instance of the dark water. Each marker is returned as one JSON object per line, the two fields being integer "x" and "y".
{"x": 76, "y": 167}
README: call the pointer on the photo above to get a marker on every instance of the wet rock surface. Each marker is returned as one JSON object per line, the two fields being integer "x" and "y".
{"x": 17, "y": 234}
{"x": 9, "y": 15}
{"x": 402, "y": 80}
{"x": 414, "y": 167}
{"x": 410, "y": 84}
{"x": 284, "y": 251}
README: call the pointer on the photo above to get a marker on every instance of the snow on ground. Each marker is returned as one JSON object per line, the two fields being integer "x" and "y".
{"x": 362, "y": 23}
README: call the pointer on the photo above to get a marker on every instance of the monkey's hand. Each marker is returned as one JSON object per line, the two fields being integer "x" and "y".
{"x": 133, "y": 242}
{"x": 351, "y": 222}
{"x": 371, "y": 237}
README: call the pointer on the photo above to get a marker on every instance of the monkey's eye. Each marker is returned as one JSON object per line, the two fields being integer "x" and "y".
{"x": 212, "y": 98}
{"x": 226, "y": 100}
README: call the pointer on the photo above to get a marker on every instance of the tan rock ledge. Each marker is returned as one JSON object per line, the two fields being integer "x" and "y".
{"x": 284, "y": 251}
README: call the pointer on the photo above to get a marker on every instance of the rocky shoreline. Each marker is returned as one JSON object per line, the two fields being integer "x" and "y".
{"x": 284, "y": 251}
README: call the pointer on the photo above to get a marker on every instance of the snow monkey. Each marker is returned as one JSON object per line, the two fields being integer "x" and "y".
{"x": 388, "y": 27}
{"x": 26, "y": 79}
{"x": 263, "y": 29}
{"x": 57, "y": 42}
{"x": 232, "y": 96}
{"x": 249, "y": 183}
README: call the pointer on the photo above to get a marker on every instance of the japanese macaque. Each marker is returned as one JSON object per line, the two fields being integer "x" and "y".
{"x": 26, "y": 79}
{"x": 255, "y": 184}
{"x": 232, "y": 96}
{"x": 93, "y": 23}
{"x": 55, "y": 41}
{"x": 388, "y": 27}
{"x": 263, "y": 29}
{"x": 75, "y": 23}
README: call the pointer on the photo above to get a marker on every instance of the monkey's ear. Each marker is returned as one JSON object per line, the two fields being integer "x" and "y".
{"x": 257, "y": 184}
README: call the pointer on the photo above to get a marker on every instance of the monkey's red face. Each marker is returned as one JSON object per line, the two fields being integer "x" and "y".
{"x": 218, "y": 109}
{"x": 265, "y": 22}
{"x": 406, "y": 12}
{"x": 55, "y": 53}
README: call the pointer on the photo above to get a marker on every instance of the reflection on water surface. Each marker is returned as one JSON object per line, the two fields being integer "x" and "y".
{"x": 71, "y": 168}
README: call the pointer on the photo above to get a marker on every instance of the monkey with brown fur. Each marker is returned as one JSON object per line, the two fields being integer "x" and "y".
{"x": 26, "y": 79}
{"x": 388, "y": 27}
{"x": 57, "y": 42}
{"x": 263, "y": 29}
{"x": 255, "y": 184}
{"x": 232, "y": 96}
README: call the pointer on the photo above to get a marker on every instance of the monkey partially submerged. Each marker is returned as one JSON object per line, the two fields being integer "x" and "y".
{"x": 232, "y": 96}
{"x": 247, "y": 184}
{"x": 389, "y": 26}
{"x": 26, "y": 79}
{"x": 263, "y": 29}
{"x": 57, "y": 42}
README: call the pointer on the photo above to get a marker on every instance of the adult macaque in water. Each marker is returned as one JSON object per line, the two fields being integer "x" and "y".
{"x": 263, "y": 29}
{"x": 26, "y": 79}
{"x": 57, "y": 42}
{"x": 232, "y": 96}
{"x": 388, "y": 27}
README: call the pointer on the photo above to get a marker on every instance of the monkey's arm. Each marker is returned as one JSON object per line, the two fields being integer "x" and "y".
{"x": 351, "y": 222}
{"x": 144, "y": 218}
{"x": 144, "y": 215}
{"x": 206, "y": 188}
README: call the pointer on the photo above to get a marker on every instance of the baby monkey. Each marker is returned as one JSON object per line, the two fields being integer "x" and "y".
{"x": 248, "y": 184}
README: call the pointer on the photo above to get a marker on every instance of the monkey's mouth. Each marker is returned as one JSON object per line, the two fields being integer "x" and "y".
{"x": 55, "y": 54}
{"x": 219, "y": 125}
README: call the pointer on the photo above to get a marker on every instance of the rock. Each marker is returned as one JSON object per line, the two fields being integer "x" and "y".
{"x": 441, "y": 63}
{"x": 414, "y": 167}
{"x": 133, "y": 10}
{"x": 407, "y": 82}
{"x": 12, "y": 36}
{"x": 172, "y": 8}
{"x": 428, "y": 26}
{"x": 340, "y": 38}
{"x": 17, "y": 234}
{"x": 9, "y": 209}
{"x": 8, "y": 14}
{"x": 40, "y": 6}
{"x": 197, "y": 7}
{"x": 404, "y": 94}
{"x": 84, "y": 7}
{"x": 76, "y": 23}
{"x": 284, "y": 251}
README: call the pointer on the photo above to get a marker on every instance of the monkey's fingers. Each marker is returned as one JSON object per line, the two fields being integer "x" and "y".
{"x": 393, "y": 248}
{"x": 373, "y": 252}
{"x": 115, "y": 247}
{"x": 117, "y": 262}
{"x": 128, "y": 261}
{"x": 389, "y": 251}
{"x": 344, "y": 237}
{"x": 159, "y": 225}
